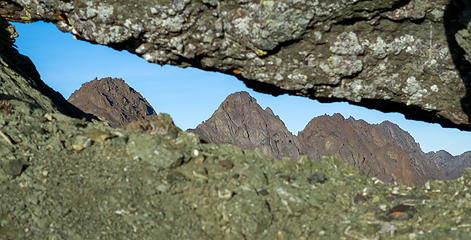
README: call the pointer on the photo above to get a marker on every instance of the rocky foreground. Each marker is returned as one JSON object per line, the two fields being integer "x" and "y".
{"x": 64, "y": 178}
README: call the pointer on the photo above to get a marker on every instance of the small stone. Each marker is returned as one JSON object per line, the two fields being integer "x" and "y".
{"x": 201, "y": 173}
{"x": 81, "y": 142}
{"x": 281, "y": 235}
{"x": 401, "y": 212}
{"x": 387, "y": 227}
{"x": 15, "y": 167}
{"x": 359, "y": 198}
{"x": 263, "y": 192}
{"x": 317, "y": 177}
{"x": 427, "y": 186}
{"x": 162, "y": 188}
{"x": 77, "y": 147}
{"x": 226, "y": 194}
{"x": 227, "y": 164}
{"x": 48, "y": 117}
{"x": 98, "y": 136}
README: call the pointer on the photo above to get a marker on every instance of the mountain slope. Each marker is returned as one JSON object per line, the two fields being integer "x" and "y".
{"x": 239, "y": 120}
{"x": 453, "y": 165}
{"x": 113, "y": 100}
{"x": 381, "y": 150}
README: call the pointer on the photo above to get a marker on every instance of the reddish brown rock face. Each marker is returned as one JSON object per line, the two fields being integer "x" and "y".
{"x": 112, "y": 100}
{"x": 239, "y": 120}
{"x": 378, "y": 150}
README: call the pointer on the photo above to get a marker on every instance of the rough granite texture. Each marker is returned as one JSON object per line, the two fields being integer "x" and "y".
{"x": 392, "y": 55}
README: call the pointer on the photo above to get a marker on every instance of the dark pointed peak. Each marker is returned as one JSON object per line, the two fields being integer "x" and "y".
{"x": 388, "y": 124}
{"x": 268, "y": 109}
{"x": 441, "y": 153}
{"x": 242, "y": 97}
{"x": 111, "y": 99}
{"x": 240, "y": 120}
{"x": 338, "y": 116}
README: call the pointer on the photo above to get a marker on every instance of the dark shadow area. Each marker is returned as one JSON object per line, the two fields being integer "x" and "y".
{"x": 23, "y": 66}
{"x": 410, "y": 112}
{"x": 456, "y": 18}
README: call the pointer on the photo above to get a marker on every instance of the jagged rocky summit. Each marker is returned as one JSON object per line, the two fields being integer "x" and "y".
{"x": 454, "y": 165}
{"x": 381, "y": 150}
{"x": 112, "y": 100}
{"x": 239, "y": 120}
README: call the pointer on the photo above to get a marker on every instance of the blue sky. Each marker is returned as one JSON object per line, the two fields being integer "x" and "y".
{"x": 191, "y": 95}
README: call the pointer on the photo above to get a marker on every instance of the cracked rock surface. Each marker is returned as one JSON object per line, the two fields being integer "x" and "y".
{"x": 392, "y": 55}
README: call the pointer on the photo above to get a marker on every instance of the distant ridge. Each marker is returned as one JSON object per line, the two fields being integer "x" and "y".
{"x": 381, "y": 150}
{"x": 453, "y": 165}
{"x": 112, "y": 100}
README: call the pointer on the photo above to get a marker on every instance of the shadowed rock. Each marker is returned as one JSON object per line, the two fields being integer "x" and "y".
{"x": 20, "y": 81}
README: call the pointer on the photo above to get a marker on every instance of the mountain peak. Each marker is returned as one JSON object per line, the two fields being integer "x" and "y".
{"x": 268, "y": 110}
{"x": 381, "y": 150}
{"x": 239, "y": 120}
{"x": 241, "y": 96}
{"x": 113, "y": 100}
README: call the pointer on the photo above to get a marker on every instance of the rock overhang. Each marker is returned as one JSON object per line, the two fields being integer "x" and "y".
{"x": 404, "y": 56}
